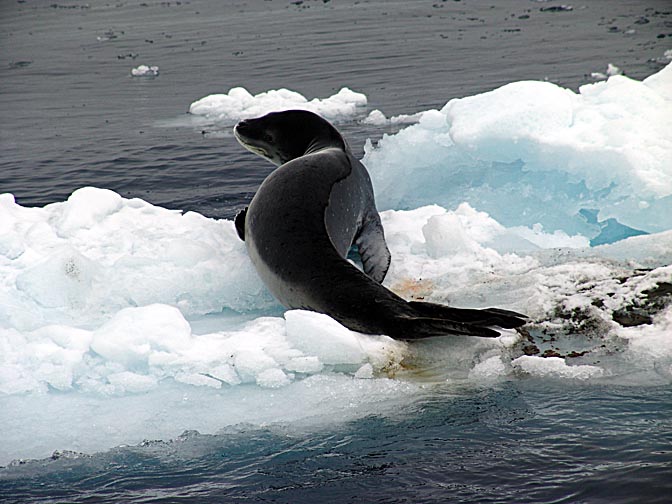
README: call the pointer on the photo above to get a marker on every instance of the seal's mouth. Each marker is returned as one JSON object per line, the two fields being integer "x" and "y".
{"x": 238, "y": 134}
{"x": 246, "y": 141}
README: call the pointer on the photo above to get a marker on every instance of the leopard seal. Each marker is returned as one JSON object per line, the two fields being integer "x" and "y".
{"x": 303, "y": 220}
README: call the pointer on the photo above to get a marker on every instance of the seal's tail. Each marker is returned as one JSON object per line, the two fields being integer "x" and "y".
{"x": 432, "y": 319}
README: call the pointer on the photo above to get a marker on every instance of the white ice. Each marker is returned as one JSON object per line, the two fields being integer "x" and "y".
{"x": 377, "y": 118}
{"x": 536, "y": 153}
{"x": 145, "y": 71}
{"x": 238, "y": 103}
{"x": 110, "y": 304}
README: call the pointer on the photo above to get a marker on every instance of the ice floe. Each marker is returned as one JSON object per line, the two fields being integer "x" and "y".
{"x": 238, "y": 103}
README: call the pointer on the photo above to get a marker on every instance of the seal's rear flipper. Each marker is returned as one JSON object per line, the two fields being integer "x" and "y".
{"x": 486, "y": 317}
{"x": 430, "y": 320}
{"x": 239, "y": 221}
{"x": 411, "y": 328}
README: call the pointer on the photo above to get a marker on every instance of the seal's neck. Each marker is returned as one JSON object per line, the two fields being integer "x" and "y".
{"x": 332, "y": 139}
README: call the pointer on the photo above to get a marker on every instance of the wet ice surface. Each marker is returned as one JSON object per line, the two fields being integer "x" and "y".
{"x": 123, "y": 320}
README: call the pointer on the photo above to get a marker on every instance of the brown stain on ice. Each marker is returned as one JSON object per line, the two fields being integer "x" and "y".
{"x": 411, "y": 288}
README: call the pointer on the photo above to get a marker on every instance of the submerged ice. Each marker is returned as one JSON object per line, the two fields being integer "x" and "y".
{"x": 111, "y": 304}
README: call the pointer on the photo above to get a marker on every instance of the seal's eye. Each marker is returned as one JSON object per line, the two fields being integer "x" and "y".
{"x": 268, "y": 138}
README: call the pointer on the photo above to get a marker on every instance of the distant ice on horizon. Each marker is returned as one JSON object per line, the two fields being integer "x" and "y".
{"x": 238, "y": 103}
{"x": 145, "y": 71}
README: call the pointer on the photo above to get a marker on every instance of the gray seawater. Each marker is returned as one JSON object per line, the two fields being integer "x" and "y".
{"x": 73, "y": 116}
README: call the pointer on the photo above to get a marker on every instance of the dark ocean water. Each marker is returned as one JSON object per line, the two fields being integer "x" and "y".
{"x": 73, "y": 116}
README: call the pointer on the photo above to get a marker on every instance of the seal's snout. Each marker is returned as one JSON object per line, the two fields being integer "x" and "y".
{"x": 249, "y": 130}
{"x": 242, "y": 130}
{"x": 241, "y": 126}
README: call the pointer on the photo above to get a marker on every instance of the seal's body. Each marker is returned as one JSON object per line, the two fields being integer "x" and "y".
{"x": 307, "y": 214}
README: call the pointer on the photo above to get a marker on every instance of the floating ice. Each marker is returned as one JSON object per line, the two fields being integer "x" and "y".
{"x": 377, "y": 118}
{"x": 110, "y": 303}
{"x": 555, "y": 367}
{"x": 611, "y": 70}
{"x": 239, "y": 103}
{"x": 535, "y": 153}
{"x": 108, "y": 35}
{"x": 145, "y": 71}
{"x": 489, "y": 370}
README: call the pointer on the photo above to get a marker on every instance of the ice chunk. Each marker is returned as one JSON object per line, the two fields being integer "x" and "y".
{"x": 555, "y": 367}
{"x": 239, "y": 104}
{"x": 48, "y": 357}
{"x": 145, "y": 71}
{"x": 611, "y": 70}
{"x": 534, "y": 153}
{"x": 318, "y": 334}
{"x": 490, "y": 369}
{"x": 133, "y": 335}
{"x": 365, "y": 372}
{"x": 444, "y": 235}
{"x": 85, "y": 208}
{"x": 660, "y": 82}
{"x": 127, "y": 381}
{"x": 646, "y": 251}
{"x": 377, "y": 118}
{"x": 272, "y": 378}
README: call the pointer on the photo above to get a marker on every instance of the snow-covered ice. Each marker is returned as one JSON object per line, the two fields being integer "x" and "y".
{"x": 111, "y": 304}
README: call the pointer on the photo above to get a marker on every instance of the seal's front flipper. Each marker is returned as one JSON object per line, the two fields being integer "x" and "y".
{"x": 239, "y": 221}
{"x": 373, "y": 249}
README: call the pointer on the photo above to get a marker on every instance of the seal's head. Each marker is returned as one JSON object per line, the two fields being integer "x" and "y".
{"x": 283, "y": 136}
